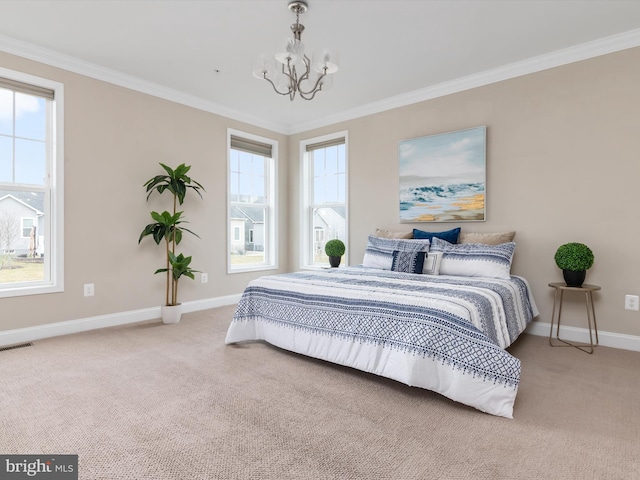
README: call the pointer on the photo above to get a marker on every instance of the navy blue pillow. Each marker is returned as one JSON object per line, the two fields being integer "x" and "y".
{"x": 450, "y": 236}
{"x": 408, "y": 262}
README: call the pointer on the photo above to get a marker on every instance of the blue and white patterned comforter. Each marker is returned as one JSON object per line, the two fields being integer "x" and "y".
{"x": 444, "y": 333}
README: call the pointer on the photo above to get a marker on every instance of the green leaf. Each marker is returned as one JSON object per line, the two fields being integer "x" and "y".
{"x": 180, "y": 266}
{"x": 156, "y": 216}
{"x": 188, "y": 231}
{"x": 167, "y": 169}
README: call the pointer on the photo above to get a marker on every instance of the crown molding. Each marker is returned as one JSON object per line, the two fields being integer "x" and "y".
{"x": 72, "y": 64}
{"x": 558, "y": 58}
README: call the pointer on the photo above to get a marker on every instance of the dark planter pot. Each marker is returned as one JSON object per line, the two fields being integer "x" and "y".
{"x": 334, "y": 261}
{"x": 574, "y": 278}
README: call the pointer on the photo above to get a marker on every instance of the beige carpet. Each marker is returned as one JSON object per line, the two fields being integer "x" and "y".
{"x": 149, "y": 401}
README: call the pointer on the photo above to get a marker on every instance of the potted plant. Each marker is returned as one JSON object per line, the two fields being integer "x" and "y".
{"x": 168, "y": 227}
{"x": 574, "y": 259}
{"x": 334, "y": 249}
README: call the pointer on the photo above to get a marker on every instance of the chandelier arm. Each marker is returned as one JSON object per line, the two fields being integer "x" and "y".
{"x": 274, "y": 86}
{"x": 316, "y": 88}
{"x": 312, "y": 93}
{"x": 292, "y": 75}
{"x": 307, "y": 68}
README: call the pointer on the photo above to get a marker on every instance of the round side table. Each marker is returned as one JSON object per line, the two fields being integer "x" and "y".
{"x": 588, "y": 290}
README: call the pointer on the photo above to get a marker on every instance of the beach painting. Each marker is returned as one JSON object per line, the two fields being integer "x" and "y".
{"x": 443, "y": 177}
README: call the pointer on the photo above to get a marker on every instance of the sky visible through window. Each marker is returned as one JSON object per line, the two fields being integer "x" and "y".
{"x": 22, "y": 138}
{"x": 247, "y": 177}
{"x": 329, "y": 170}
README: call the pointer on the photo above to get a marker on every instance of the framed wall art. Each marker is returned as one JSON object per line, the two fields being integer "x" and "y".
{"x": 443, "y": 177}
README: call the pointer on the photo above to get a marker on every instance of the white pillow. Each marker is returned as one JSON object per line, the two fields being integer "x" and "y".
{"x": 432, "y": 263}
{"x": 474, "y": 259}
{"x": 379, "y": 252}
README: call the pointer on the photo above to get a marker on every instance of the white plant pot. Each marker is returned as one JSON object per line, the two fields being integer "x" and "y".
{"x": 171, "y": 313}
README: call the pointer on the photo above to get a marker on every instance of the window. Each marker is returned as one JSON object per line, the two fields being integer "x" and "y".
{"x": 27, "y": 225}
{"x": 31, "y": 163}
{"x": 251, "y": 212}
{"x": 324, "y": 180}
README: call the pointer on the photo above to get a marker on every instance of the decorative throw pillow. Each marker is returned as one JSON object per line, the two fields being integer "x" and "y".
{"x": 487, "y": 238}
{"x": 432, "y": 263}
{"x": 450, "y": 236}
{"x": 391, "y": 234}
{"x": 408, "y": 262}
{"x": 475, "y": 259}
{"x": 379, "y": 252}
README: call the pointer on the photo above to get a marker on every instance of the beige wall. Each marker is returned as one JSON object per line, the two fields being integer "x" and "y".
{"x": 114, "y": 140}
{"x": 563, "y": 164}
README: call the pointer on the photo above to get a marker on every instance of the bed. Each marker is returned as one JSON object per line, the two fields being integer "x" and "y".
{"x": 442, "y": 332}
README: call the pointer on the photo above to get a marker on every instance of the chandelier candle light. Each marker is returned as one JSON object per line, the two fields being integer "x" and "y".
{"x": 314, "y": 73}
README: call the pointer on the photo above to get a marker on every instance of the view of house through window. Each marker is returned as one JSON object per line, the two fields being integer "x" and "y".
{"x": 26, "y": 153}
{"x": 325, "y": 181}
{"x": 251, "y": 203}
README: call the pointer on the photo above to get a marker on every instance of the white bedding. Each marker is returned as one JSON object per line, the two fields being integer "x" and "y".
{"x": 442, "y": 333}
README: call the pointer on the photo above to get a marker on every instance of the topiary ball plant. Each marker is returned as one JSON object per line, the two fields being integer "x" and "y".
{"x": 334, "y": 249}
{"x": 574, "y": 257}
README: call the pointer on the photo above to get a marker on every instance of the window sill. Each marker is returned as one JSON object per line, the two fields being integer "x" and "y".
{"x": 260, "y": 268}
{"x": 21, "y": 291}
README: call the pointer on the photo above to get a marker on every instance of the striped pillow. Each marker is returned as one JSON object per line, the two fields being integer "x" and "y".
{"x": 379, "y": 252}
{"x": 475, "y": 259}
{"x": 408, "y": 262}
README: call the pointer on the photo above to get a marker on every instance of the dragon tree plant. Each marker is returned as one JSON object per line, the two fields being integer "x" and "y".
{"x": 169, "y": 226}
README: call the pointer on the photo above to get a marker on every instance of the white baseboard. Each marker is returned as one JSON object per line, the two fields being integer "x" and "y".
{"x": 575, "y": 334}
{"x": 30, "y": 334}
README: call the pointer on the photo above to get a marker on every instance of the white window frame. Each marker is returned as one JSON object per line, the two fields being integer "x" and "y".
{"x": 306, "y": 179}
{"x": 34, "y": 223}
{"x": 271, "y": 195}
{"x": 54, "y": 194}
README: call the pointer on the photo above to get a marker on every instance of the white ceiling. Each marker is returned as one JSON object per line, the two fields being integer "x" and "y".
{"x": 392, "y": 52}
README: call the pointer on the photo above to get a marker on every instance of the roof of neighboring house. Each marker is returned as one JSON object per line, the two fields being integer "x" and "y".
{"x": 254, "y": 214}
{"x": 34, "y": 200}
{"x": 340, "y": 210}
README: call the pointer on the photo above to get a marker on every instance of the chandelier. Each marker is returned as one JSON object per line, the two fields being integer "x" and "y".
{"x": 290, "y": 71}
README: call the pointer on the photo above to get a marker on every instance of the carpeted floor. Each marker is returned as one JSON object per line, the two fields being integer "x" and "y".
{"x": 149, "y": 401}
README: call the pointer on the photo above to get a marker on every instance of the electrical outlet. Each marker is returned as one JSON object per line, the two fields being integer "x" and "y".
{"x": 632, "y": 302}
{"x": 89, "y": 290}
{"x": 204, "y": 277}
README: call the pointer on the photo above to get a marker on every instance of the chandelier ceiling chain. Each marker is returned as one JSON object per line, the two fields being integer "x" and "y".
{"x": 290, "y": 71}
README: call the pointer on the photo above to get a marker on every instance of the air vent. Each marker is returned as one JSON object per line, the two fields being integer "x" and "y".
{"x": 13, "y": 347}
